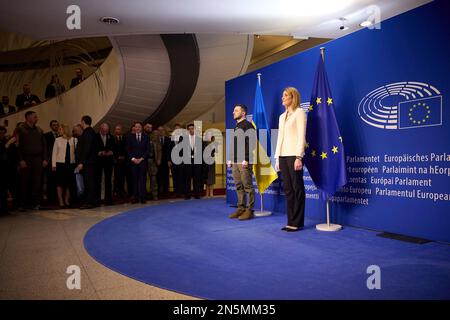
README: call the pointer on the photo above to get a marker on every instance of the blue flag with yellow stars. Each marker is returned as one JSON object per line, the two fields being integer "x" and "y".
{"x": 324, "y": 153}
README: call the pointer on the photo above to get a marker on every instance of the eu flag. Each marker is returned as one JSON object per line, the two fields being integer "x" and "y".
{"x": 264, "y": 172}
{"x": 324, "y": 153}
{"x": 423, "y": 112}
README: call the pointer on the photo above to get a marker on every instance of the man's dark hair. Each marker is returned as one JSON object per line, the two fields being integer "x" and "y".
{"x": 52, "y": 122}
{"x": 28, "y": 113}
{"x": 2, "y": 128}
{"x": 189, "y": 125}
{"x": 177, "y": 125}
{"x": 138, "y": 122}
{"x": 242, "y": 106}
{"x": 87, "y": 120}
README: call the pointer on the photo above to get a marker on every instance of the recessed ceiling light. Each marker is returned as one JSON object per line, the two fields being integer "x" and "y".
{"x": 109, "y": 20}
{"x": 343, "y": 27}
{"x": 366, "y": 23}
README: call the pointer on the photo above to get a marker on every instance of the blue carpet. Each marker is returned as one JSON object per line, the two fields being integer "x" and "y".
{"x": 193, "y": 248}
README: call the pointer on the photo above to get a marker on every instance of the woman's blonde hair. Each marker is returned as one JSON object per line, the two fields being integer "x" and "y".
{"x": 66, "y": 130}
{"x": 296, "y": 98}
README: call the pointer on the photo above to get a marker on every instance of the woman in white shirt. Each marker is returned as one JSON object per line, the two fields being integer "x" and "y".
{"x": 289, "y": 157}
{"x": 63, "y": 162}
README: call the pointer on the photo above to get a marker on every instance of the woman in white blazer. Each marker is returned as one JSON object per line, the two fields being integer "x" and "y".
{"x": 63, "y": 162}
{"x": 289, "y": 157}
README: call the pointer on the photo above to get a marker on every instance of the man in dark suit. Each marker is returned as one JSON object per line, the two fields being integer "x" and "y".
{"x": 77, "y": 132}
{"x": 137, "y": 147}
{"x": 50, "y": 138}
{"x": 105, "y": 146}
{"x": 6, "y": 108}
{"x": 26, "y": 99}
{"x": 177, "y": 169}
{"x": 193, "y": 167}
{"x": 163, "y": 168}
{"x": 120, "y": 159}
{"x": 87, "y": 162}
{"x": 78, "y": 79}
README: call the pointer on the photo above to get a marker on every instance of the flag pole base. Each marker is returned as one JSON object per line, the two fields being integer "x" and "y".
{"x": 328, "y": 227}
{"x": 262, "y": 213}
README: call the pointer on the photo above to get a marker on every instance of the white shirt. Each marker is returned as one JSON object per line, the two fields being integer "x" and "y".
{"x": 104, "y": 140}
{"x": 291, "y": 134}
{"x": 192, "y": 141}
{"x": 59, "y": 150}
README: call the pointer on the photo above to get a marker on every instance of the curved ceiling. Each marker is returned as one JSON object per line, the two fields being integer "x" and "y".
{"x": 222, "y": 57}
{"x": 145, "y": 78}
{"x": 46, "y": 19}
{"x": 184, "y": 58}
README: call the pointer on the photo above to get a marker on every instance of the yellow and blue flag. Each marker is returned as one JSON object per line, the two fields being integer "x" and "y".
{"x": 263, "y": 170}
{"x": 324, "y": 153}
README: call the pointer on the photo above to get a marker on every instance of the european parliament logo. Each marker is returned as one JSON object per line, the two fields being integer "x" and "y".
{"x": 402, "y": 105}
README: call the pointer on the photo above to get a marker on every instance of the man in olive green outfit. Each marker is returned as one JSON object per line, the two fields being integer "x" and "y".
{"x": 154, "y": 159}
{"x": 32, "y": 154}
{"x": 241, "y": 164}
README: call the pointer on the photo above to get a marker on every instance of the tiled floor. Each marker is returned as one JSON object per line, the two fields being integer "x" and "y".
{"x": 36, "y": 247}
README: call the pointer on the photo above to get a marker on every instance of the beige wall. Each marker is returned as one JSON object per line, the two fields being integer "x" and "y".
{"x": 84, "y": 99}
{"x": 11, "y": 82}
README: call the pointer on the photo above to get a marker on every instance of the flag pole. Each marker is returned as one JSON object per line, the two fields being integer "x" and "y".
{"x": 261, "y": 212}
{"x": 327, "y": 226}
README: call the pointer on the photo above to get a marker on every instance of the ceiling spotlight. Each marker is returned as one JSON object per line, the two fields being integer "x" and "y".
{"x": 343, "y": 27}
{"x": 109, "y": 20}
{"x": 366, "y": 23}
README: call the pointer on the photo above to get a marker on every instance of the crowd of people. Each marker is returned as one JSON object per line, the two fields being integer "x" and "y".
{"x": 70, "y": 166}
{"x": 28, "y": 99}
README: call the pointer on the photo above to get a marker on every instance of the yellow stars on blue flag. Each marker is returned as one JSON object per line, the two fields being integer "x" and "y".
{"x": 323, "y": 155}
{"x": 319, "y": 101}
{"x": 419, "y": 113}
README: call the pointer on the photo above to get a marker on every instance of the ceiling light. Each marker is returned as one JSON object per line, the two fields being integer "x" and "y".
{"x": 366, "y": 23}
{"x": 109, "y": 20}
{"x": 343, "y": 27}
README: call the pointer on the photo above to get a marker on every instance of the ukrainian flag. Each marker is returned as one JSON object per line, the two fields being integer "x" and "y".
{"x": 263, "y": 170}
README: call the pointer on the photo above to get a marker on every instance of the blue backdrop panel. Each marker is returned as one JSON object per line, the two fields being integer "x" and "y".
{"x": 390, "y": 87}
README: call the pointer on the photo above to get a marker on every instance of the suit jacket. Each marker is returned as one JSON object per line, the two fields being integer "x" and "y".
{"x": 87, "y": 151}
{"x": 22, "y": 98}
{"x": 198, "y": 148}
{"x": 11, "y": 109}
{"x": 109, "y": 146}
{"x": 166, "y": 149}
{"x": 137, "y": 149}
{"x": 59, "y": 151}
{"x": 50, "y": 139}
{"x": 291, "y": 139}
{"x": 120, "y": 147}
{"x": 75, "y": 81}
